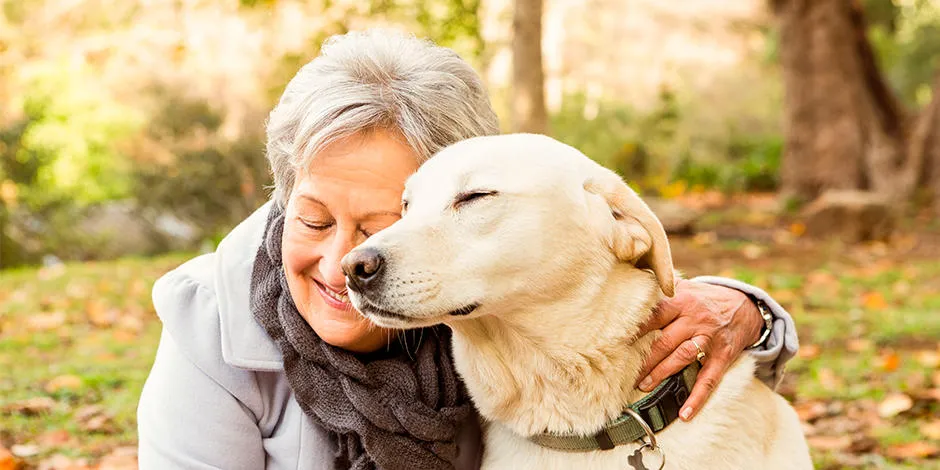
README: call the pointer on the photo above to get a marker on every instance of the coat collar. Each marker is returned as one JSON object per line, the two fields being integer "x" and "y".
{"x": 245, "y": 344}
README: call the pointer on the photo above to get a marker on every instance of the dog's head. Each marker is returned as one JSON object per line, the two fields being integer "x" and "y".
{"x": 491, "y": 224}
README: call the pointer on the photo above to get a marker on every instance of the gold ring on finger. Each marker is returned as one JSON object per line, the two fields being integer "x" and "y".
{"x": 701, "y": 354}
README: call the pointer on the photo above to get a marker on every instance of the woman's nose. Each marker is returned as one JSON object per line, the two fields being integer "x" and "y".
{"x": 331, "y": 263}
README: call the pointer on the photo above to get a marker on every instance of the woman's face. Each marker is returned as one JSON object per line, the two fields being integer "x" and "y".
{"x": 351, "y": 190}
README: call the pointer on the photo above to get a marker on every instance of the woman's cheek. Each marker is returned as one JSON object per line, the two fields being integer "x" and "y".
{"x": 299, "y": 253}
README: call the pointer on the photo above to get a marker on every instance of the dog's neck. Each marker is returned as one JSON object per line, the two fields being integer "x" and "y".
{"x": 565, "y": 366}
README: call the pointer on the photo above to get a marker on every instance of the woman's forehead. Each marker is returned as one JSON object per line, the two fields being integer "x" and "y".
{"x": 365, "y": 172}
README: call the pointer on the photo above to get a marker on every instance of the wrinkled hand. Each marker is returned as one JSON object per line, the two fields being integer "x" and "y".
{"x": 723, "y": 321}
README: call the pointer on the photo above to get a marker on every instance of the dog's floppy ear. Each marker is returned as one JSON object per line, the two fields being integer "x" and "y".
{"x": 637, "y": 236}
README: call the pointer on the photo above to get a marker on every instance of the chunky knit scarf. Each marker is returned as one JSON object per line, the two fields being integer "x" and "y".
{"x": 397, "y": 409}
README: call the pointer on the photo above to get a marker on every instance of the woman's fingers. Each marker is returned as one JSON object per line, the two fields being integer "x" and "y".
{"x": 679, "y": 356}
{"x": 713, "y": 369}
{"x": 667, "y": 342}
{"x": 664, "y": 314}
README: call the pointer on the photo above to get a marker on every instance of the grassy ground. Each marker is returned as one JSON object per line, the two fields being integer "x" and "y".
{"x": 76, "y": 344}
{"x": 84, "y": 336}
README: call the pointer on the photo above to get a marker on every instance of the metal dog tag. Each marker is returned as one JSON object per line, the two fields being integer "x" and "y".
{"x": 636, "y": 459}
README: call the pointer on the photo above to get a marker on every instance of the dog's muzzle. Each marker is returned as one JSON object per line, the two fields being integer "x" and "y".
{"x": 363, "y": 268}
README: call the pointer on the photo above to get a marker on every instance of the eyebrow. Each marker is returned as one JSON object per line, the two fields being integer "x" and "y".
{"x": 368, "y": 214}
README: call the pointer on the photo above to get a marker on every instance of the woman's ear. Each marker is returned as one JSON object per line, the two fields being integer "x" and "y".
{"x": 637, "y": 236}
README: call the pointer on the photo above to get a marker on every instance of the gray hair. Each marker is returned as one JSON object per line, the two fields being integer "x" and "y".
{"x": 375, "y": 79}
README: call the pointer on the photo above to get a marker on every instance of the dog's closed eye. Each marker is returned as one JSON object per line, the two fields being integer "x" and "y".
{"x": 471, "y": 196}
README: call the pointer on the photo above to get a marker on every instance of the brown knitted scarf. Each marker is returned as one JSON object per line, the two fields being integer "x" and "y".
{"x": 396, "y": 409}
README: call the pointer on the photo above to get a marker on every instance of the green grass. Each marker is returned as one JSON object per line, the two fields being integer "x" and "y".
{"x": 112, "y": 361}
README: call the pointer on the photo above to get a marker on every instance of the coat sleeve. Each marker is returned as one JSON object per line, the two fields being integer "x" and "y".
{"x": 192, "y": 412}
{"x": 185, "y": 419}
{"x": 782, "y": 343}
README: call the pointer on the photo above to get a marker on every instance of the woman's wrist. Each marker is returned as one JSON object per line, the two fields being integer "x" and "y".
{"x": 767, "y": 321}
{"x": 752, "y": 317}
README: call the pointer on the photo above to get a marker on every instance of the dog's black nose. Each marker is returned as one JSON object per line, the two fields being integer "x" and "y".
{"x": 363, "y": 267}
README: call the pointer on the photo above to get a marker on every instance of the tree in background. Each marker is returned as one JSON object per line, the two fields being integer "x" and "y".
{"x": 845, "y": 127}
{"x": 528, "y": 75}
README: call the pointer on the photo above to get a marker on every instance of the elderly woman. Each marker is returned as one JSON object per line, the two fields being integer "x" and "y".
{"x": 263, "y": 363}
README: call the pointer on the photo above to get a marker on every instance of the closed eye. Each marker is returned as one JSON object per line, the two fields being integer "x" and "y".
{"x": 471, "y": 196}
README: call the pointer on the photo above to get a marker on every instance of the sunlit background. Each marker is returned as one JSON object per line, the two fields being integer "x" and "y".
{"x": 793, "y": 144}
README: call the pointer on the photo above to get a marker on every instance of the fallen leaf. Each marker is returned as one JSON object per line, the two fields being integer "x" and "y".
{"x": 121, "y": 458}
{"x": 24, "y": 450}
{"x": 797, "y": 228}
{"x": 809, "y": 411}
{"x": 54, "y": 438}
{"x": 931, "y": 429}
{"x": 863, "y": 444}
{"x": 61, "y": 462}
{"x": 901, "y": 288}
{"x": 705, "y": 238}
{"x": 808, "y": 429}
{"x": 131, "y": 324}
{"x": 64, "y": 382}
{"x": 821, "y": 278}
{"x": 829, "y": 380}
{"x": 94, "y": 418}
{"x": 7, "y": 460}
{"x": 858, "y": 344}
{"x": 86, "y": 412}
{"x": 874, "y": 301}
{"x": 752, "y": 251}
{"x": 835, "y": 425}
{"x": 45, "y": 321}
{"x": 99, "y": 315}
{"x": 912, "y": 450}
{"x": 76, "y": 290}
{"x": 808, "y": 351}
{"x": 928, "y": 358}
{"x": 930, "y": 394}
{"x": 125, "y": 337}
{"x": 894, "y": 404}
{"x": 888, "y": 361}
{"x": 137, "y": 288}
{"x": 31, "y": 406}
{"x": 915, "y": 381}
{"x": 830, "y": 443}
{"x": 100, "y": 424}
{"x": 783, "y": 237}
{"x": 106, "y": 357}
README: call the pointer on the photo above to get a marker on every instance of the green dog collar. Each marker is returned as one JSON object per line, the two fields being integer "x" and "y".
{"x": 658, "y": 409}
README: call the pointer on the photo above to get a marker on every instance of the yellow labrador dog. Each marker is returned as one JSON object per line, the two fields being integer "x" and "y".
{"x": 545, "y": 264}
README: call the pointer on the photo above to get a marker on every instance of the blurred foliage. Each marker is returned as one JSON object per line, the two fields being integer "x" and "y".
{"x": 113, "y": 107}
{"x": 906, "y": 37}
{"x": 203, "y": 177}
{"x": 646, "y": 149}
{"x": 632, "y": 143}
{"x": 64, "y": 143}
{"x": 753, "y": 164}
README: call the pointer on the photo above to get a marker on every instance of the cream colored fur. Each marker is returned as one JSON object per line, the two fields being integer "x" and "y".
{"x": 553, "y": 261}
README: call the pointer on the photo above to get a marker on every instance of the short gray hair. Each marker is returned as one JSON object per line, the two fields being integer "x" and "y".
{"x": 375, "y": 79}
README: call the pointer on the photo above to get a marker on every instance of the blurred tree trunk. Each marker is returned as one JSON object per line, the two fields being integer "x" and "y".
{"x": 844, "y": 127}
{"x": 925, "y": 141}
{"x": 528, "y": 76}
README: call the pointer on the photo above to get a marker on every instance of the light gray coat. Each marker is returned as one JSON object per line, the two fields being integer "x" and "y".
{"x": 217, "y": 396}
